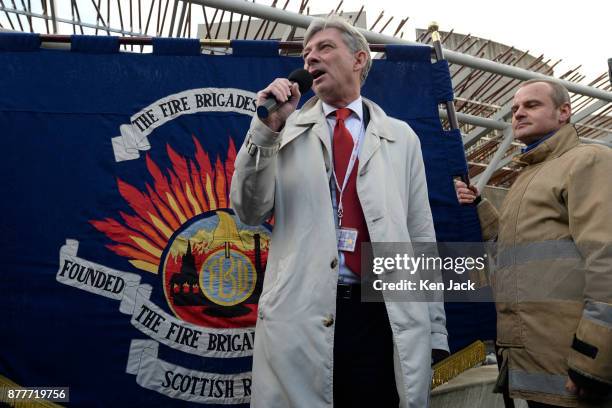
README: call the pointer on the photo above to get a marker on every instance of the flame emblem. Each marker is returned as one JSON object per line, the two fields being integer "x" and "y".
{"x": 182, "y": 229}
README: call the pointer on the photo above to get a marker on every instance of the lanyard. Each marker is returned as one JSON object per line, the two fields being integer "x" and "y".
{"x": 349, "y": 170}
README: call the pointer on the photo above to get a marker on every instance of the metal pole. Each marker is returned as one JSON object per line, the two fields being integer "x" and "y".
{"x": 65, "y": 21}
{"x": 588, "y": 111}
{"x": 450, "y": 106}
{"x": 146, "y": 40}
{"x": 495, "y": 124}
{"x": 476, "y": 120}
{"x": 497, "y": 158}
{"x": 299, "y": 20}
{"x": 53, "y": 16}
{"x": 474, "y": 136}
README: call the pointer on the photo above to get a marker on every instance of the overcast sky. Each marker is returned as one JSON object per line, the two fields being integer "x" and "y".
{"x": 579, "y": 32}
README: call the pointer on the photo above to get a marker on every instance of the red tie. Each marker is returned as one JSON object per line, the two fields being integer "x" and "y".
{"x": 352, "y": 216}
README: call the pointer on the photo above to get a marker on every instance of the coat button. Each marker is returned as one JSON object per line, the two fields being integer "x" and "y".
{"x": 328, "y": 321}
{"x": 334, "y": 263}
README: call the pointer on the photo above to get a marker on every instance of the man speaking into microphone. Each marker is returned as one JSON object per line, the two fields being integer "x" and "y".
{"x": 334, "y": 174}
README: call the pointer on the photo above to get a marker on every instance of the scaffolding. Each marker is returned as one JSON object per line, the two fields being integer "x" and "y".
{"x": 484, "y": 73}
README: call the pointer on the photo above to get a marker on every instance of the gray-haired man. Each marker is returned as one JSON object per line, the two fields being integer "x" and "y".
{"x": 339, "y": 167}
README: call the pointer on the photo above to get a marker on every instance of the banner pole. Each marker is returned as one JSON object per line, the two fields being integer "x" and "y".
{"x": 439, "y": 53}
{"x": 145, "y": 40}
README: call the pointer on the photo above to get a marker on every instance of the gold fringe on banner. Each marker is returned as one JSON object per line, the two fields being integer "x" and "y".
{"x": 444, "y": 371}
{"x": 6, "y": 384}
{"x": 459, "y": 362}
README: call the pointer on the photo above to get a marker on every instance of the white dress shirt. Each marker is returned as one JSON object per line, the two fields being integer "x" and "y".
{"x": 354, "y": 124}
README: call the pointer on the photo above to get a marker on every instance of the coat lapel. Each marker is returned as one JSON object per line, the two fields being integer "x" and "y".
{"x": 371, "y": 143}
{"x": 311, "y": 119}
{"x": 376, "y": 130}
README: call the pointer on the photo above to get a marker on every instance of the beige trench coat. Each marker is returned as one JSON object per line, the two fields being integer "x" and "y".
{"x": 287, "y": 175}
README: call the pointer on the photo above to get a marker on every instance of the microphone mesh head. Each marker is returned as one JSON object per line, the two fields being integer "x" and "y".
{"x": 302, "y": 78}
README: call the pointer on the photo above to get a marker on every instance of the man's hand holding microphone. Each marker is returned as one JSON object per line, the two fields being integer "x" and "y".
{"x": 280, "y": 99}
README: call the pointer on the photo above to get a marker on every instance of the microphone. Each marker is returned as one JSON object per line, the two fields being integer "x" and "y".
{"x": 299, "y": 76}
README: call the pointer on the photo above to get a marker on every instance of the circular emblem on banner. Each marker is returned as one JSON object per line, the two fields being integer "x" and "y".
{"x": 213, "y": 270}
{"x": 228, "y": 277}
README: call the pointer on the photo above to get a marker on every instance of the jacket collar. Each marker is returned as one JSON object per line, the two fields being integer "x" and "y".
{"x": 563, "y": 140}
{"x": 311, "y": 116}
{"x": 312, "y": 113}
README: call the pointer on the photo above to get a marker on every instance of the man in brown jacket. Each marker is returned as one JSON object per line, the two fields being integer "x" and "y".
{"x": 553, "y": 275}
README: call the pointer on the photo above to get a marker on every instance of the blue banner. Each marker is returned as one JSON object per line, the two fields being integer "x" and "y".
{"x": 125, "y": 275}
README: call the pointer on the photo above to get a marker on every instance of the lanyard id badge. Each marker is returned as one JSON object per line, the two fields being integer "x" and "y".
{"x": 340, "y": 189}
{"x": 347, "y": 239}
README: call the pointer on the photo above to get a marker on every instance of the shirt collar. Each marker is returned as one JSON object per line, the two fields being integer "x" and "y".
{"x": 356, "y": 107}
{"x": 537, "y": 142}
